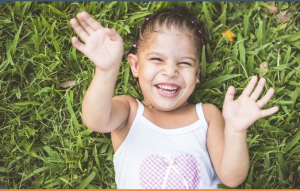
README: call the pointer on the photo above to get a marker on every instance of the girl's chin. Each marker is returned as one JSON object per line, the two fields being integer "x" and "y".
{"x": 167, "y": 106}
{"x": 167, "y": 94}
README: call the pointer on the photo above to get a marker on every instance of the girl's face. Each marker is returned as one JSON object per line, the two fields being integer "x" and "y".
{"x": 167, "y": 67}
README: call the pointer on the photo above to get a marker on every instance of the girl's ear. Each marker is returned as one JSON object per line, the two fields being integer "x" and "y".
{"x": 134, "y": 64}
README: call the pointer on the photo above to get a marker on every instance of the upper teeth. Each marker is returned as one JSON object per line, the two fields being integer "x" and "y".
{"x": 167, "y": 87}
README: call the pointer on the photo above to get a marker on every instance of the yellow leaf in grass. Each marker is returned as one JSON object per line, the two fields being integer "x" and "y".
{"x": 264, "y": 67}
{"x": 228, "y": 34}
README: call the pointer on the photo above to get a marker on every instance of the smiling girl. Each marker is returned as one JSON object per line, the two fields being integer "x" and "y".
{"x": 163, "y": 141}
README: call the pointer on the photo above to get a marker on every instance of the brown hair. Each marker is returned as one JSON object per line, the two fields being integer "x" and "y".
{"x": 178, "y": 18}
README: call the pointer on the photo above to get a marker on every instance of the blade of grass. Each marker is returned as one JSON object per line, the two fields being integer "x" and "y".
{"x": 16, "y": 39}
{"x": 203, "y": 64}
{"x": 207, "y": 15}
{"x": 217, "y": 81}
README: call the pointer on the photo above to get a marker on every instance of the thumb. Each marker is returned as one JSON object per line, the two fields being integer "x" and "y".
{"x": 229, "y": 94}
{"x": 113, "y": 34}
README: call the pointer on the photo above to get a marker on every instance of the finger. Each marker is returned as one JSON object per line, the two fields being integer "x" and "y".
{"x": 267, "y": 112}
{"x": 113, "y": 34}
{"x": 248, "y": 90}
{"x": 95, "y": 25}
{"x": 258, "y": 89}
{"x": 263, "y": 101}
{"x": 229, "y": 94}
{"x": 82, "y": 17}
{"x": 78, "y": 45}
{"x": 79, "y": 30}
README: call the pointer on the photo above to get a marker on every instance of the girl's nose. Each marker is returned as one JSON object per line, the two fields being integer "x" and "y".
{"x": 170, "y": 70}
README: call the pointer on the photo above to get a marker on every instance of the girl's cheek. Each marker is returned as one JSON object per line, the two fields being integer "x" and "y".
{"x": 189, "y": 75}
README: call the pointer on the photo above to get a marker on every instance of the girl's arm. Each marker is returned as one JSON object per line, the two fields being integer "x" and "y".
{"x": 228, "y": 151}
{"x": 104, "y": 47}
{"x": 227, "y": 146}
{"x": 101, "y": 112}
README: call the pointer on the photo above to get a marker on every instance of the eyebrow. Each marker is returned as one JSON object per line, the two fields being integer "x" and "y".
{"x": 157, "y": 53}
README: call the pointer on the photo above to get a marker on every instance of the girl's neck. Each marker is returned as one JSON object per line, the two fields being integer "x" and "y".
{"x": 151, "y": 107}
{"x": 174, "y": 119}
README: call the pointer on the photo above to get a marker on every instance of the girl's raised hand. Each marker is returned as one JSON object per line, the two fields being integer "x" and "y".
{"x": 241, "y": 113}
{"x": 103, "y": 46}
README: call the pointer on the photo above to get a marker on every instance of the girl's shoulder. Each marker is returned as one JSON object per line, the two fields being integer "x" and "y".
{"x": 211, "y": 112}
{"x": 133, "y": 104}
{"x": 118, "y": 136}
{"x": 128, "y": 100}
{"x": 133, "y": 107}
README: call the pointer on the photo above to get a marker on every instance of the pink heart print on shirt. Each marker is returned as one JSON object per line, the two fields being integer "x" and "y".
{"x": 153, "y": 171}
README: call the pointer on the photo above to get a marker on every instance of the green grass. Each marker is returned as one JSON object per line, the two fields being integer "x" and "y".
{"x": 44, "y": 143}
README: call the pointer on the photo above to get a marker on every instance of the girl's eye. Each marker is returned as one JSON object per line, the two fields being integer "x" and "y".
{"x": 185, "y": 63}
{"x": 156, "y": 59}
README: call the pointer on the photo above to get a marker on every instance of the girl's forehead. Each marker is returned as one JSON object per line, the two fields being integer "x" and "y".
{"x": 169, "y": 42}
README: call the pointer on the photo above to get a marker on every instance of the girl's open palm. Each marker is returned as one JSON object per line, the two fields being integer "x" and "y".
{"x": 241, "y": 113}
{"x": 103, "y": 46}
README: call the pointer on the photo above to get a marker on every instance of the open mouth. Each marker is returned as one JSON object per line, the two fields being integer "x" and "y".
{"x": 167, "y": 89}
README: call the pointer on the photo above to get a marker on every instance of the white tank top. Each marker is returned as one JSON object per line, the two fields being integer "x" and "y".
{"x": 151, "y": 157}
